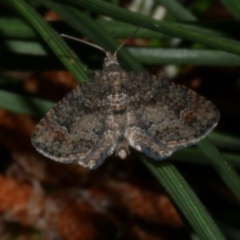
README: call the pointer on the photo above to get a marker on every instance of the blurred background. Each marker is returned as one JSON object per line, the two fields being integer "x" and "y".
{"x": 43, "y": 199}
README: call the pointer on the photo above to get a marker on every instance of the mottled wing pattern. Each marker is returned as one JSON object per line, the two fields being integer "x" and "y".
{"x": 168, "y": 116}
{"x": 74, "y": 129}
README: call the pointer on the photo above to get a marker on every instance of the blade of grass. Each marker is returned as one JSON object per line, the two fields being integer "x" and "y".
{"x": 23, "y": 47}
{"x": 81, "y": 22}
{"x": 233, "y": 6}
{"x": 19, "y": 29}
{"x": 60, "y": 48}
{"x": 124, "y": 30}
{"x": 23, "y": 104}
{"x": 144, "y": 55}
{"x": 185, "y": 56}
{"x": 16, "y": 28}
{"x": 170, "y": 28}
{"x": 195, "y": 156}
{"x": 216, "y": 28}
{"x": 185, "y": 199}
{"x": 177, "y": 10}
{"x": 226, "y": 172}
{"x": 225, "y": 141}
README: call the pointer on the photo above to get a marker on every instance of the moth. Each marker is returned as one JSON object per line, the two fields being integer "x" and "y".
{"x": 116, "y": 109}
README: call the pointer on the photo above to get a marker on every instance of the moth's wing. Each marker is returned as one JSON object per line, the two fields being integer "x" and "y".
{"x": 168, "y": 116}
{"x": 74, "y": 129}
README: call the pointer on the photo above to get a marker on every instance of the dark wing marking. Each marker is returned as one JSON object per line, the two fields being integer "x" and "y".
{"x": 168, "y": 116}
{"x": 74, "y": 129}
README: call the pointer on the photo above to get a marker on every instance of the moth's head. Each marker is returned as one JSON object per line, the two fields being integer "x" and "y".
{"x": 111, "y": 63}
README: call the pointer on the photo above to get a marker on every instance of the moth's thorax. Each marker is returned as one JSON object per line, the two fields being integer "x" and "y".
{"x": 118, "y": 101}
{"x": 111, "y": 64}
{"x": 118, "y": 97}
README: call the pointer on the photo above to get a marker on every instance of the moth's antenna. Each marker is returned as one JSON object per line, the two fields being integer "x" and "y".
{"x": 137, "y": 29}
{"x": 82, "y": 41}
